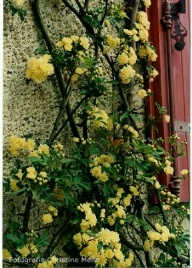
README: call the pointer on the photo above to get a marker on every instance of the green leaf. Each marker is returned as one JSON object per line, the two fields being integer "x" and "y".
{"x": 67, "y": 161}
{"x": 82, "y": 185}
{"x": 178, "y": 250}
{"x": 14, "y": 226}
{"x": 99, "y": 246}
{"x": 160, "y": 108}
{"x": 41, "y": 241}
{"x": 91, "y": 21}
{"x": 35, "y": 159}
{"x": 106, "y": 190}
{"x": 185, "y": 237}
{"x": 22, "y": 13}
{"x": 162, "y": 258}
{"x": 13, "y": 238}
{"x": 20, "y": 192}
{"x": 123, "y": 116}
{"x": 41, "y": 51}
{"x": 135, "y": 116}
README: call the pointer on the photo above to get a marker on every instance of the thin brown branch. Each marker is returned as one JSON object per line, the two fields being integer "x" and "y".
{"x": 26, "y": 214}
{"x": 62, "y": 87}
{"x": 82, "y": 11}
{"x": 86, "y": 5}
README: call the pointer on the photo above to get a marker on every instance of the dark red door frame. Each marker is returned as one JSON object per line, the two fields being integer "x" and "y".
{"x": 160, "y": 84}
{"x": 164, "y": 85}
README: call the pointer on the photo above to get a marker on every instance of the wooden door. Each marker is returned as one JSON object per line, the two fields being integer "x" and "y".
{"x": 181, "y": 78}
{"x": 176, "y": 101}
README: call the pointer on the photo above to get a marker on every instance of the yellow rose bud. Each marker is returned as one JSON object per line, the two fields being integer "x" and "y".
{"x": 167, "y": 118}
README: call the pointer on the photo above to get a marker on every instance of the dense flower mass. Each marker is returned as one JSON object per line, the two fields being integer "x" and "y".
{"x": 90, "y": 218}
{"x": 162, "y": 233}
{"x": 39, "y": 69}
{"x": 69, "y": 42}
{"x": 112, "y": 41}
{"x": 147, "y": 51}
{"x": 104, "y": 161}
{"x": 110, "y": 251}
{"x": 90, "y": 193}
{"x": 17, "y": 144}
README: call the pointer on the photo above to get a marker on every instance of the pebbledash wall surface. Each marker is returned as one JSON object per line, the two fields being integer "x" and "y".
{"x": 28, "y": 108}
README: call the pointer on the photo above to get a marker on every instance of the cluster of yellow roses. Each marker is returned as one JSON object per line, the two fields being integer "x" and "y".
{"x": 68, "y": 42}
{"x": 28, "y": 147}
{"x": 169, "y": 199}
{"x": 47, "y": 218}
{"x": 104, "y": 247}
{"x": 162, "y": 234}
{"x": 103, "y": 161}
{"x": 100, "y": 118}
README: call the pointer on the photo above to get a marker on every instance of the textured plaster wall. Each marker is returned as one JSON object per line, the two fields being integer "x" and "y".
{"x": 28, "y": 108}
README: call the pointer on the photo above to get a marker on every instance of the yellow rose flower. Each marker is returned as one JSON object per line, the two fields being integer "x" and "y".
{"x": 184, "y": 172}
{"x": 167, "y": 118}
{"x": 13, "y": 185}
{"x": 75, "y": 140}
{"x": 126, "y": 73}
{"x": 31, "y": 173}
{"x": 24, "y": 251}
{"x": 84, "y": 42}
{"x": 43, "y": 148}
{"x": 47, "y": 218}
{"x": 147, "y": 245}
{"x": 19, "y": 2}
{"x": 157, "y": 185}
{"x": 39, "y": 69}
{"x": 75, "y": 38}
{"x": 142, "y": 93}
{"x": 96, "y": 171}
{"x": 123, "y": 58}
{"x": 134, "y": 190}
{"x": 147, "y": 3}
{"x": 6, "y": 254}
{"x": 103, "y": 177}
{"x": 168, "y": 170}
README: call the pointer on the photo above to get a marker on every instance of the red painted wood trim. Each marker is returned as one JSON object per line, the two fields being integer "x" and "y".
{"x": 161, "y": 86}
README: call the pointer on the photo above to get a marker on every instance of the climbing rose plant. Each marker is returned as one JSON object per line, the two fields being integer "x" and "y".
{"x": 91, "y": 197}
